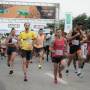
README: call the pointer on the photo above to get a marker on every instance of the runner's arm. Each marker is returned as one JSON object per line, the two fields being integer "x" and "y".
{"x": 84, "y": 38}
{"x": 72, "y": 37}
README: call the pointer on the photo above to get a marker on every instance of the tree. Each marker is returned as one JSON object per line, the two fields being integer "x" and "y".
{"x": 81, "y": 19}
{"x": 88, "y": 23}
{"x": 61, "y": 26}
{"x": 51, "y": 25}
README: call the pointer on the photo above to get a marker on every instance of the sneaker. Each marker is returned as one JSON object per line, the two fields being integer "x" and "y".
{"x": 8, "y": 65}
{"x": 39, "y": 66}
{"x": 25, "y": 79}
{"x": 80, "y": 75}
{"x": 11, "y": 72}
{"x": 67, "y": 72}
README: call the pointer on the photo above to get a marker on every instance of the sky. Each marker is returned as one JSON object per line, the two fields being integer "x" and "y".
{"x": 76, "y": 7}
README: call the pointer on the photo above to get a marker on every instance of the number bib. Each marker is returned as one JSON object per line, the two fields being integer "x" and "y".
{"x": 59, "y": 52}
{"x": 29, "y": 41}
{"x": 14, "y": 41}
{"x": 75, "y": 42}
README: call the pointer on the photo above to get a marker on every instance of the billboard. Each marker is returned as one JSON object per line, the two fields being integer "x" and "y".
{"x": 5, "y": 27}
{"x": 27, "y": 11}
{"x": 16, "y": 13}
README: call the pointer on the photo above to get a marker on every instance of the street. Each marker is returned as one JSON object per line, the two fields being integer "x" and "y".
{"x": 41, "y": 79}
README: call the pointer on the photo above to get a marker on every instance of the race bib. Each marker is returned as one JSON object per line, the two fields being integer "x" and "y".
{"x": 14, "y": 41}
{"x": 29, "y": 41}
{"x": 75, "y": 42}
{"x": 59, "y": 52}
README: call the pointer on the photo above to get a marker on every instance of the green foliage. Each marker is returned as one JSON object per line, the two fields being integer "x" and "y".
{"x": 81, "y": 19}
{"x": 52, "y": 26}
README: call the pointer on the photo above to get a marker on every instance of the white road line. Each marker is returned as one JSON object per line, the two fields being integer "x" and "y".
{"x": 59, "y": 80}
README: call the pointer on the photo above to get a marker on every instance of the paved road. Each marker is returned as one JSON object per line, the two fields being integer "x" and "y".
{"x": 41, "y": 79}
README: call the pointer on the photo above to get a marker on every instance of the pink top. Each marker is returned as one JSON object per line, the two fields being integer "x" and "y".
{"x": 58, "y": 47}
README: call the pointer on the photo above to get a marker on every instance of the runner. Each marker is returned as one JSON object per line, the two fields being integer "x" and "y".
{"x": 39, "y": 48}
{"x": 26, "y": 45}
{"x": 3, "y": 48}
{"x": 84, "y": 53}
{"x": 75, "y": 41}
{"x": 88, "y": 47}
{"x": 49, "y": 38}
{"x": 58, "y": 54}
{"x": 68, "y": 50}
{"x": 47, "y": 44}
{"x": 11, "y": 42}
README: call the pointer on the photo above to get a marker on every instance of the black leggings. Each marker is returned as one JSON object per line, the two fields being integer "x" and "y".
{"x": 47, "y": 51}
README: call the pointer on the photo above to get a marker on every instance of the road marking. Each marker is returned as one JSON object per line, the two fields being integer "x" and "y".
{"x": 59, "y": 80}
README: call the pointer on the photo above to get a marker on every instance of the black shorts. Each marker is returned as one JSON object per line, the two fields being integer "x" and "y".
{"x": 74, "y": 49}
{"x": 38, "y": 50}
{"x": 46, "y": 48}
{"x": 57, "y": 59}
{"x": 10, "y": 50}
{"x": 26, "y": 54}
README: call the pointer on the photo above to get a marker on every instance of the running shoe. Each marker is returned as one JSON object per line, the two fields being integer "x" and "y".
{"x": 25, "y": 79}
{"x": 39, "y": 66}
{"x": 11, "y": 72}
{"x": 67, "y": 72}
{"x": 80, "y": 75}
{"x": 8, "y": 64}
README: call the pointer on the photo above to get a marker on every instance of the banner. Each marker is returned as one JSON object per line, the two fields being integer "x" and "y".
{"x": 68, "y": 22}
{"x": 15, "y": 14}
{"x": 27, "y": 11}
{"x": 6, "y": 27}
{"x": 19, "y": 27}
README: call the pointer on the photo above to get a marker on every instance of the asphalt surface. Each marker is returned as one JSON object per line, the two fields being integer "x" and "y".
{"x": 41, "y": 79}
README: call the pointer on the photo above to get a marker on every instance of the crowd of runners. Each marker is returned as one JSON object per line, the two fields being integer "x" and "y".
{"x": 63, "y": 48}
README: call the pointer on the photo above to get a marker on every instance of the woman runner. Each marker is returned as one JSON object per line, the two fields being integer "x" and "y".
{"x": 58, "y": 48}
